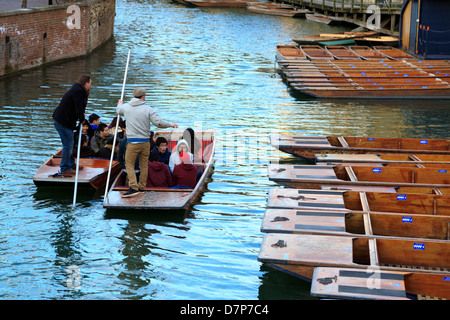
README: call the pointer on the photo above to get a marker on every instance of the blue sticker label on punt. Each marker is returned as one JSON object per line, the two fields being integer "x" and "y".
{"x": 376, "y": 170}
{"x": 407, "y": 219}
{"x": 397, "y": 285}
{"x": 446, "y": 278}
{"x": 423, "y": 141}
{"x": 442, "y": 171}
{"x": 419, "y": 246}
{"x": 370, "y": 139}
{"x": 401, "y": 197}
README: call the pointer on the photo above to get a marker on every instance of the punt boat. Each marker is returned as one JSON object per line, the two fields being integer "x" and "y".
{"x": 342, "y": 53}
{"x": 430, "y": 160}
{"x": 275, "y": 9}
{"x": 289, "y": 52}
{"x": 299, "y": 254}
{"x": 360, "y": 177}
{"x": 328, "y": 212}
{"x": 373, "y": 284}
{"x": 342, "y": 38}
{"x": 93, "y": 175}
{"x": 394, "y": 53}
{"x": 315, "y": 52}
{"x": 307, "y": 147}
{"x": 367, "y": 53}
{"x": 320, "y": 18}
{"x": 166, "y": 198}
{"x": 218, "y": 3}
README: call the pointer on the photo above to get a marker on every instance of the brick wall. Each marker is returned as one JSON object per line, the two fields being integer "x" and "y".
{"x": 32, "y": 37}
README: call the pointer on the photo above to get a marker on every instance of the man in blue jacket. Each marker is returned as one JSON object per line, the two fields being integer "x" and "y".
{"x": 71, "y": 108}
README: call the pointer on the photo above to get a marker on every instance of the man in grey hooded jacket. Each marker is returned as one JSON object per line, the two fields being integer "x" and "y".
{"x": 139, "y": 116}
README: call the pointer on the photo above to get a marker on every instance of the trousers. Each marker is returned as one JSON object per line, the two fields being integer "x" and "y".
{"x": 67, "y": 140}
{"x": 143, "y": 151}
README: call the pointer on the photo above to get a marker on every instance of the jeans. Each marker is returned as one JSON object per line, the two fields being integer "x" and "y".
{"x": 67, "y": 139}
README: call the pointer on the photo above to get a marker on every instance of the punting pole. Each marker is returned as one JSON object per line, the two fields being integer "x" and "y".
{"x": 117, "y": 127}
{"x": 77, "y": 166}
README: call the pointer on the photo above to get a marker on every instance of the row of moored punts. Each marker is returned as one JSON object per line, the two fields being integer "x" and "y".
{"x": 369, "y": 218}
{"x": 378, "y": 72}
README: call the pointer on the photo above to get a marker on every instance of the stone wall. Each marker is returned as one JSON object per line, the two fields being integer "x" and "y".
{"x": 33, "y": 37}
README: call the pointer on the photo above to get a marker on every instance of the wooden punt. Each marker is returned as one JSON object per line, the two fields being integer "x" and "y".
{"x": 324, "y": 212}
{"x": 275, "y": 9}
{"x": 423, "y": 203}
{"x": 299, "y": 254}
{"x": 342, "y": 53}
{"x": 333, "y": 38}
{"x": 393, "y": 53}
{"x": 362, "y": 177}
{"x": 289, "y": 52}
{"x": 373, "y": 284}
{"x": 307, "y": 147}
{"x": 93, "y": 175}
{"x": 367, "y": 53}
{"x": 218, "y": 3}
{"x": 315, "y": 52}
{"x": 320, "y": 18}
{"x": 166, "y": 199}
{"x": 429, "y": 160}
{"x": 377, "y": 41}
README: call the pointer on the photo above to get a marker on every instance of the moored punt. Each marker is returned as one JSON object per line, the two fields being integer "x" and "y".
{"x": 361, "y": 177}
{"x": 307, "y": 147}
{"x": 430, "y": 160}
{"x": 218, "y": 3}
{"x": 320, "y": 18}
{"x": 394, "y": 53}
{"x": 377, "y": 41}
{"x": 300, "y": 254}
{"x": 315, "y": 52}
{"x": 275, "y": 9}
{"x": 93, "y": 175}
{"x": 333, "y": 38}
{"x": 368, "y": 214}
{"x": 166, "y": 198}
{"x": 342, "y": 283}
{"x": 367, "y": 53}
{"x": 342, "y": 53}
{"x": 423, "y": 203}
{"x": 289, "y": 52}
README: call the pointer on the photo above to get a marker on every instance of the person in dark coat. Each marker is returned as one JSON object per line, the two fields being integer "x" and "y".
{"x": 70, "y": 110}
{"x": 163, "y": 151}
{"x": 184, "y": 174}
{"x": 158, "y": 173}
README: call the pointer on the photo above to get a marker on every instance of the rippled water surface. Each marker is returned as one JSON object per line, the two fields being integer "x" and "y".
{"x": 212, "y": 68}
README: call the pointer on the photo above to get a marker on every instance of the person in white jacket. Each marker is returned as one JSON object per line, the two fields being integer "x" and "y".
{"x": 175, "y": 157}
{"x": 138, "y": 116}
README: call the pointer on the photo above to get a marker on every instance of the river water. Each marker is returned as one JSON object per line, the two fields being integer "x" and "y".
{"x": 203, "y": 68}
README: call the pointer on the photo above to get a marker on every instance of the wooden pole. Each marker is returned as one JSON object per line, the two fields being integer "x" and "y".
{"x": 117, "y": 127}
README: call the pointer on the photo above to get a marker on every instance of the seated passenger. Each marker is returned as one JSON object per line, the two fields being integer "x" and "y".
{"x": 184, "y": 174}
{"x": 158, "y": 173}
{"x": 102, "y": 142}
{"x": 163, "y": 151}
{"x": 85, "y": 150}
{"x": 195, "y": 146}
{"x": 182, "y": 147}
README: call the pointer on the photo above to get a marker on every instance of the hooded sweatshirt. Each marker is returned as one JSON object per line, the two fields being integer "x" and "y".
{"x": 139, "y": 116}
{"x": 158, "y": 175}
{"x": 185, "y": 175}
{"x": 175, "y": 156}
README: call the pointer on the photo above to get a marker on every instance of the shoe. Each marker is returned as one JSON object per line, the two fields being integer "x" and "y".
{"x": 69, "y": 173}
{"x": 141, "y": 190}
{"x": 130, "y": 193}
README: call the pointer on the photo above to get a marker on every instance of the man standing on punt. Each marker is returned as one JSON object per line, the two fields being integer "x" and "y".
{"x": 138, "y": 116}
{"x": 71, "y": 108}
